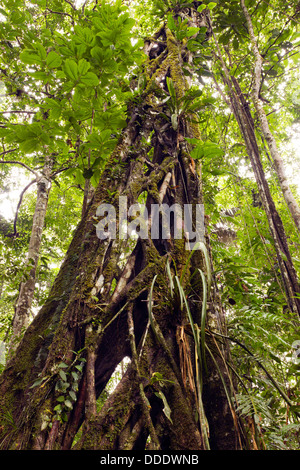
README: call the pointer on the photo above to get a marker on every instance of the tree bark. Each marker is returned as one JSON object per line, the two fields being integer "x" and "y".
{"x": 264, "y": 124}
{"x": 22, "y": 316}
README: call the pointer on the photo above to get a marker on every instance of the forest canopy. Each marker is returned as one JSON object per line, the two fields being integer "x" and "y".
{"x": 132, "y": 343}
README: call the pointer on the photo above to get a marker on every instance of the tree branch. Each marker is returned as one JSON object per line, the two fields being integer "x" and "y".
{"x": 62, "y": 13}
{"x": 18, "y": 111}
{"x": 7, "y": 151}
{"x": 282, "y": 12}
{"x": 60, "y": 171}
{"x": 71, "y": 4}
{"x": 83, "y": 6}
{"x": 19, "y": 204}
{"x": 15, "y": 162}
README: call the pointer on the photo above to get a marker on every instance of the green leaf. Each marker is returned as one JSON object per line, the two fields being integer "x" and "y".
{"x": 83, "y": 66}
{"x": 166, "y": 409}
{"x": 53, "y": 60}
{"x": 62, "y": 365}
{"x": 45, "y": 138}
{"x": 171, "y": 88}
{"x": 79, "y": 179}
{"x": 156, "y": 377}
{"x": 225, "y": 38}
{"x": 295, "y": 409}
{"x": 171, "y": 22}
{"x": 217, "y": 171}
{"x": 35, "y": 129}
{"x": 41, "y": 50}
{"x": 84, "y": 35}
{"x": 205, "y": 150}
{"x": 211, "y": 5}
{"x": 30, "y": 58}
{"x": 191, "y": 31}
{"x": 201, "y": 8}
{"x": 275, "y": 358}
{"x": 73, "y": 395}
{"x": 236, "y": 44}
{"x": 16, "y": 17}
{"x": 63, "y": 375}
{"x": 58, "y": 408}
{"x": 71, "y": 69}
{"x": 55, "y": 108}
{"x": 88, "y": 173}
{"x": 90, "y": 79}
{"x": 38, "y": 382}
{"x": 30, "y": 145}
{"x": 38, "y": 75}
{"x": 75, "y": 124}
{"x": 75, "y": 375}
{"x": 68, "y": 404}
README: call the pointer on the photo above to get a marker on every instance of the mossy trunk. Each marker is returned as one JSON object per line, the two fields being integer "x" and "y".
{"x": 103, "y": 307}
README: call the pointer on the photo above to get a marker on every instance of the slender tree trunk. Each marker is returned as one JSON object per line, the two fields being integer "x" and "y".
{"x": 246, "y": 124}
{"x": 22, "y": 316}
{"x": 88, "y": 195}
{"x": 160, "y": 307}
{"x": 278, "y": 162}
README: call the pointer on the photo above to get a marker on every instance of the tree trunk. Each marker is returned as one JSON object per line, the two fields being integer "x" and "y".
{"x": 242, "y": 113}
{"x": 278, "y": 162}
{"x": 88, "y": 195}
{"x": 22, "y": 316}
{"x": 152, "y": 307}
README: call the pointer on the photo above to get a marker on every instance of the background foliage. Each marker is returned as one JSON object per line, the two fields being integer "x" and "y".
{"x": 66, "y": 81}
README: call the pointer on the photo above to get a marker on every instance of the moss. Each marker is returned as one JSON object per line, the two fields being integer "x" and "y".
{"x": 180, "y": 254}
{"x": 152, "y": 86}
{"x": 194, "y": 128}
{"x": 136, "y": 187}
{"x": 104, "y": 430}
{"x": 154, "y": 192}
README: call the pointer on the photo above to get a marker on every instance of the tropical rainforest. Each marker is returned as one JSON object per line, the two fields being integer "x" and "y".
{"x": 128, "y": 342}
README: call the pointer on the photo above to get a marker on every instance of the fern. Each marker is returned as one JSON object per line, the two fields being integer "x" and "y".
{"x": 254, "y": 407}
